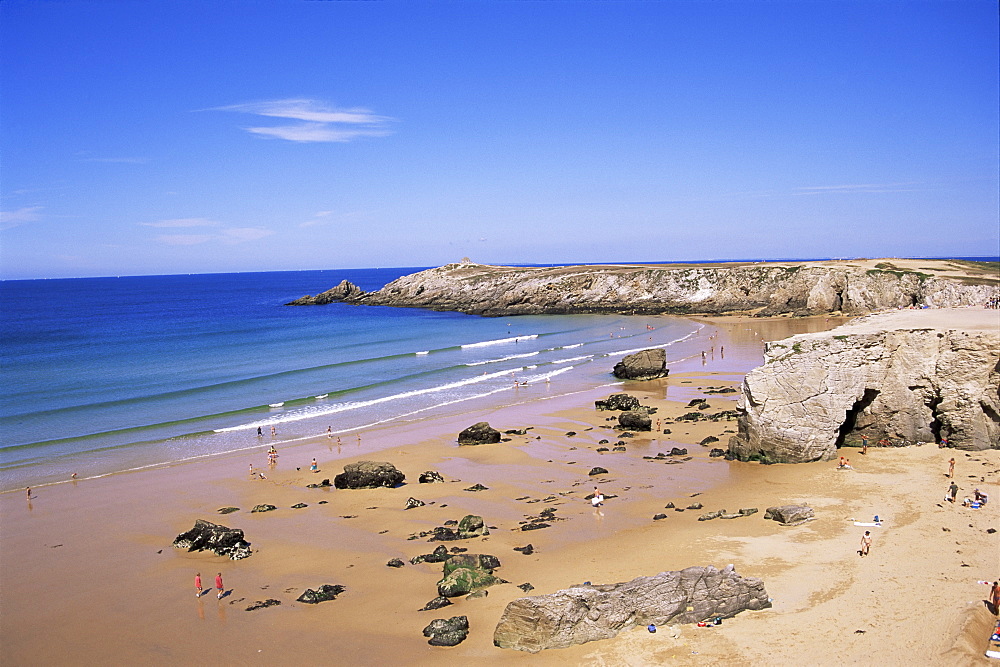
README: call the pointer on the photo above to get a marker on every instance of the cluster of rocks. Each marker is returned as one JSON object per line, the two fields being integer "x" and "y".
{"x": 224, "y": 541}
{"x": 587, "y": 613}
{"x": 722, "y": 514}
{"x": 466, "y": 573}
{"x": 470, "y": 527}
{"x": 447, "y": 632}
{"x": 623, "y": 403}
{"x": 543, "y": 519}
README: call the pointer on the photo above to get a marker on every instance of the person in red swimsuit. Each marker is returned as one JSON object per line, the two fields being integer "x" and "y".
{"x": 218, "y": 584}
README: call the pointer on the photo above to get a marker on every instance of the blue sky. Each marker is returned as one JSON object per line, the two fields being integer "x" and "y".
{"x": 182, "y": 137}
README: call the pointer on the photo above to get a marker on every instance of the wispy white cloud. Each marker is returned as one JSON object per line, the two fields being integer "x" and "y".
{"x": 856, "y": 188}
{"x": 21, "y": 216}
{"x": 117, "y": 160}
{"x": 183, "y": 222}
{"x": 329, "y": 217}
{"x": 215, "y": 232}
{"x": 319, "y": 122}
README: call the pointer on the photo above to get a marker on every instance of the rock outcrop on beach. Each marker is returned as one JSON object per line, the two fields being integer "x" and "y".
{"x": 906, "y": 377}
{"x": 587, "y": 613}
{"x": 369, "y": 475}
{"x": 635, "y": 421}
{"x": 789, "y": 515}
{"x": 642, "y": 365}
{"x": 324, "y": 593}
{"x": 802, "y": 288}
{"x": 205, "y": 535}
{"x": 479, "y": 434}
{"x": 618, "y": 402}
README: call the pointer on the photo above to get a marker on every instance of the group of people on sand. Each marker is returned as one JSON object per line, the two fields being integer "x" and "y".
{"x": 218, "y": 585}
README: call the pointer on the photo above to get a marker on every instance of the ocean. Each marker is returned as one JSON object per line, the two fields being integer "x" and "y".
{"x": 103, "y": 375}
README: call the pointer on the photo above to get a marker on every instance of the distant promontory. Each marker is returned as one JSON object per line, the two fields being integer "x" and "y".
{"x": 851, "y": 287}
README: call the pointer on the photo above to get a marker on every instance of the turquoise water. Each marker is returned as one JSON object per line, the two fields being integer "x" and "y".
{"x": 109, "y": 374}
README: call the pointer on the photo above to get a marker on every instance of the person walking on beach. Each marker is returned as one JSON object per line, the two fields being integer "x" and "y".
{"x": 864, "y": 444}
{"x": 218, "y": 584}
{"x": 314, "y": 466}
{"x": 260, "y": 433}
{"x": 197, "y": 584}
{"x": 951, "y": 467}
{"x": 273, "y": 432}
{"x": 28, "y": 491}
{"x": 329, "y": 431}
{"x": 995, "y": 597}
{"x": 952, "y": 492}
{"x": 866, "y": 543}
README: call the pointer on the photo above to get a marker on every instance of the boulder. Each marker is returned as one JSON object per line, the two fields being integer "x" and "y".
{"x": 479, "y": 434}
{"x": 644, "y": 365}
{"x": 598, "y": 470}
{"x": 430, "y": 477}
{"x": 789, "y": 515}
{"x": 413, "y": 502}
{"x": 206, "y": 535}
{"x": 395, "y": 562}
{"x": 263, "y": 508}
{"x": 678, "y": 451}
{"x": 439, "y": 555}
{"x": 618, "y": 402}
{"x": 450, "y": 632}
{"x": 587, "y": 613}
{"x": 368, "y": 475}
{"x": 635, "y": 421}
{"x": 324, "y": 593}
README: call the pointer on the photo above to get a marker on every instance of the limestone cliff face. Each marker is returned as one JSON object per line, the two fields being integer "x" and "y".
{"x": 880, "y": 377}
{"x": 764, "y": 289}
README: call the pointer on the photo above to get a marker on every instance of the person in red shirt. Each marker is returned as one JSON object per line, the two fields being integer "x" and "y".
{"x": 197, "y": 585}
{"x": 218, "y": 584}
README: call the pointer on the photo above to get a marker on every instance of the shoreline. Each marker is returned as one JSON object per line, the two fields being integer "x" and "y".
{"x": 103, "y": 545}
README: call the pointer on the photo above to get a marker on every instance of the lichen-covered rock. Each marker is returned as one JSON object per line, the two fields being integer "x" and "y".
{"x": 588, "y": 613}
{"x": 618, "y": 402}
{"x": 369, "y": 475}
{"x": 479, "y": 434}
{"x": 450, "y": 632}
{"x": 635, "y": 421}
{"x": 263, "y": 508}
{"x": 466, "y": 573}
{"x": 206, "y": 535}
{"x": 471, "y": 526}
{"x": 642, "y": 365}
{"x": 896, "y": 376}
{"x": 324, "y": 593}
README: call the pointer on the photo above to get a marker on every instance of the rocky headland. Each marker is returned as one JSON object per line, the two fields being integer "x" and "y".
{"x": 905, "y": 377}
{"x": 851, "y": 287}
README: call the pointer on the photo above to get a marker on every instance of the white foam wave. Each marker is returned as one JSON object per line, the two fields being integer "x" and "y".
{"x": 572, "y": 359}
{"x": 499, "y": 341}
{"x": 422, "y": 353}
{"x": 309, "y": 412}
{"x": 570, "y": 347}
{"x": 653, "y": 347}
{"x": 508, "y": 358}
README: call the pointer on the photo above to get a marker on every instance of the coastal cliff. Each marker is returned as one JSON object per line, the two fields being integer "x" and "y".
{"x": 915, "y": 376}
{"x": 802, "y": 288}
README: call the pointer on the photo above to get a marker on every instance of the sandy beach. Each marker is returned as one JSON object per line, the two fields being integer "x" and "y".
{"x": 89, "y": 575}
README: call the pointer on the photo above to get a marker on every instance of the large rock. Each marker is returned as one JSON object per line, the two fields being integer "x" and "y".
{"x": 206, "y": 535}
{"x": 643, "y": 365}
{"x": 467, "y": 573}
{"x": 324, "y": 593}
{"x": 789, "y": 515}
{"x": 635, "y": 421}
{"x": 588, "y": 613}
{"x": 368, "y": 475}
{"x": 855, "y": 287}
{"x": 471, "y": 526}
{"x": 911, "y": 376}
{"x": 618, "y": 402}
{"x": 479, "y": 434}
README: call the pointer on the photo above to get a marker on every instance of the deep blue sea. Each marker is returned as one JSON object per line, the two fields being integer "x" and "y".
{"x": 109, "y": 374}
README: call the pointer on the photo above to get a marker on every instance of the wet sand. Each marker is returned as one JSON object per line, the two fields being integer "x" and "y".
{"x": 89, "y": 576}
